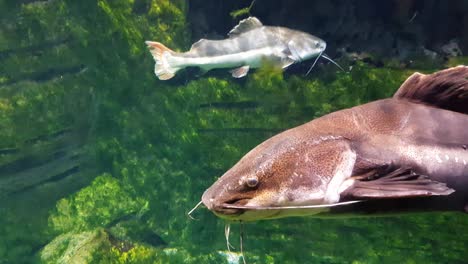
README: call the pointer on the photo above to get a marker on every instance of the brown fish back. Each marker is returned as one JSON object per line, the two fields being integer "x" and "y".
{"x": 447, "y": 89}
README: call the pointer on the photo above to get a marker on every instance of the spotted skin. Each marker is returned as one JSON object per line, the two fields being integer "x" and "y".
{"x": 316, "y": 163}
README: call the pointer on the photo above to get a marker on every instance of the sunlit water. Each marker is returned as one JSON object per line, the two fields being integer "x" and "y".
{"x": 100, "y": 161}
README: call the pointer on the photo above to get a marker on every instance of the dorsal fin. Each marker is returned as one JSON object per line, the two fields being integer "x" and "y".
{"x": 244, "y": 26}
{"x": 197, "y": 44}
{"x": 446, "y": 89}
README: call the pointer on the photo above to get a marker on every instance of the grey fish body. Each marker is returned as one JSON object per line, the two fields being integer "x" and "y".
{"x": 249, "y": 44}
{"x": 391, "y": 152}
{"x": 246, "y": 49}
{"x": 429, "y": 140}
{"x": 257, "y": 38}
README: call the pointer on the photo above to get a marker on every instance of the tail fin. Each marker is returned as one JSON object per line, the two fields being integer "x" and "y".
{"x": 162, "y": 56}
{"x": 446, "y": 89}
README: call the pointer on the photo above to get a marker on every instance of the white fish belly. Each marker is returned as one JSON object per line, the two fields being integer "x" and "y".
{"x": 252, "y": 58}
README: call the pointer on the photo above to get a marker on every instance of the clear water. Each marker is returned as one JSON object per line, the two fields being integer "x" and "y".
{"x": 100, "y": 161}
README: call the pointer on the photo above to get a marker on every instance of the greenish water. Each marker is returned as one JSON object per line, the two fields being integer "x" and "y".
{"x": 100, "y": 161}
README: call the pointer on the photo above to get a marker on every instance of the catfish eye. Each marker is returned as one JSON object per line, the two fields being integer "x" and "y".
{"x": 317, "y": 44}
{"x": 251, "y": 181}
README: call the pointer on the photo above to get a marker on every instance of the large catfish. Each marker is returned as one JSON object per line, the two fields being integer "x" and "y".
{"x": 400, "y": 154}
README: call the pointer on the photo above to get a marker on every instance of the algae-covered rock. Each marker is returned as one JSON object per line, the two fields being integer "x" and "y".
{"x": 65, "y": 67}
{"x": 128, "y": 155}
{"x": 98, "y": 246}
{"x": 75, "y": 248}
{"x": 97, "y": 205}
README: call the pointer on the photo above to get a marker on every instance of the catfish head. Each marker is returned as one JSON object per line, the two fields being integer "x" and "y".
{"x": 304, "y": 46}
{"x": 283, "y": 176}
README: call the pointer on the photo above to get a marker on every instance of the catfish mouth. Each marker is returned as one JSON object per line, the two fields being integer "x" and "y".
{"x": 233, "y": 207}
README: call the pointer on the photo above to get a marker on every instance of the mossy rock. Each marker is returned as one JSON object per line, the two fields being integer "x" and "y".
{"x": 75, "y": 248}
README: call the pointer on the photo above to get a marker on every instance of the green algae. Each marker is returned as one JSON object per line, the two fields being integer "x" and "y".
{"x": 243, "y": 11}
{"x": 94, "y": 206}
{"x": 159, "y": 174}
{"x": 75, "y": 248}
{"x": 455, "y": 61}
{"x": 150, "y": 148}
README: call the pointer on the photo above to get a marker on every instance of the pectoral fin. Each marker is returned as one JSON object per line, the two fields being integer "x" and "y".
{"x": 293, "y": 51}
{"x": 286, "y": 62}
{"x": 240, "y": 72}
{"x": 400, "y": 183}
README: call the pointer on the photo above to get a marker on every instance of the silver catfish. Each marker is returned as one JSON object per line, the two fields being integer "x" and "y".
{"x": 248, "y": 45}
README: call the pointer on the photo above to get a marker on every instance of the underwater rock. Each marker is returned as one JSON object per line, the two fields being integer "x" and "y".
{"x": 56, "y": 166}
{"x": 136, "y": 231}
{"x": 430, "y": 54}
{"x": 119, "y": 244}
{"x": 71, "y": 248}
{"x": 452, "y": 49}
{"x": 97, "y": 205}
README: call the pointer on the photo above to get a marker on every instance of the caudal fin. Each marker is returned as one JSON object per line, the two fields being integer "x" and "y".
{"x": 446, "y": 89}
{"x": 162, "y": 56}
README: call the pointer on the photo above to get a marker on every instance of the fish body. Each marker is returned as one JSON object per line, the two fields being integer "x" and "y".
{"x": 249, "y": 44}
{"x": 403, "y": 153}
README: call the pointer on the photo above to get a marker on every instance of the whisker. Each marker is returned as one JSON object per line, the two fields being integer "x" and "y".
{"x": 316, "y": 59}
{"x": 332, "y": 61}
{"x": 189, "y": 214}
{"x": 227, "y": 230}
{"x": 413, "y": 17}
{"x": 241, "y": 240}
